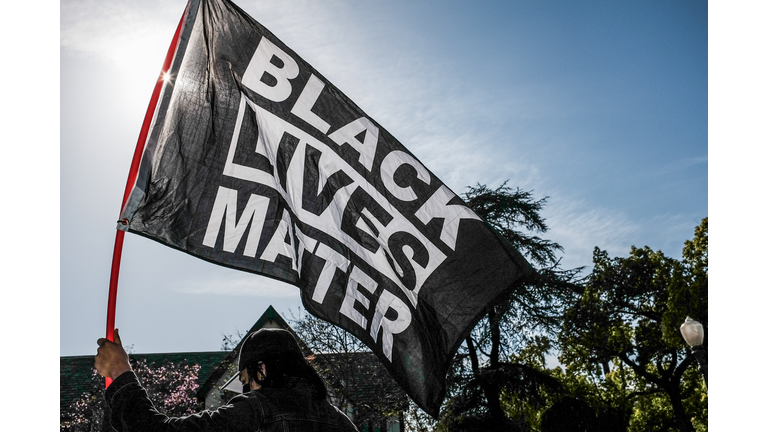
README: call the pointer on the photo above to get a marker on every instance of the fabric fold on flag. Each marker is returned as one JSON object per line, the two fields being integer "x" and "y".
{"x": 255, "y": 161}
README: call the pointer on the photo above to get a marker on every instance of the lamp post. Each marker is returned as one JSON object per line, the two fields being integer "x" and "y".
{"x": 693, "y": 333}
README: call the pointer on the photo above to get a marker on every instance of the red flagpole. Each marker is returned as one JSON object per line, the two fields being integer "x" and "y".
{"x": 132, "y": 174}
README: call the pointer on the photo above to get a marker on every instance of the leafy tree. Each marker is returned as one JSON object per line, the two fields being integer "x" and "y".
{"x": 86, "y": 414}
{"x": 171, "y": 388}
{"x": 490, "y": 389}
{"x": 324, "y": 337}
{"x": 485, "y": 386}
{"x": 605, "y": 395}
{"x": 621, "y": 339}
{"x": 348, "y": 365}
{"x": 229, "y": 342}
{"x": 417, "y": 420}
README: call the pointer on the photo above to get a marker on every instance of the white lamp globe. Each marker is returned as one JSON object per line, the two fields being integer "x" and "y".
{"x": 692, "y": 331}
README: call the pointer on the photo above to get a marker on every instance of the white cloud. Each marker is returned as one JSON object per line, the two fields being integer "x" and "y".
{"x": 112, "y": 29}
{"x": 445, "y": 121}
{"x": 677, "y": 166}
{"x": 241, "y": 285}
{"x": 579, "y": 228}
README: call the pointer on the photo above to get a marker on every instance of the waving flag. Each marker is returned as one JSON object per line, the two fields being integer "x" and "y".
{"x": 253, "y": 160}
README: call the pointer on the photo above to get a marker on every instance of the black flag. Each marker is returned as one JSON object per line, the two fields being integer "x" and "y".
{"x": 256, "y": 162}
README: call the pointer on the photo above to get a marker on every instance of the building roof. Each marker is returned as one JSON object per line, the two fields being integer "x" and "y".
{"x": 363, "y": 381}
{"x": 359, "y": 377}
{"x": 76, "y": 374}
{"x": 269, "y": 319}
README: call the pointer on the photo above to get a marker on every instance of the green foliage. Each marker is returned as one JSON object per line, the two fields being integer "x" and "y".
{"x": 689, "y": 296}
{"x": 622, "y": 336}
{"x": 416, "y": 420}
{"x": 623, "y": 364}
{"x": 507, "y": 211}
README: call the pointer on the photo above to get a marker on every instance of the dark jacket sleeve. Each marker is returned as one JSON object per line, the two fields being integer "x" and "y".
{"x": 131, "y": 410}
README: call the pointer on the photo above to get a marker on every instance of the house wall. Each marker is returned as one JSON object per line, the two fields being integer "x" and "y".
{"x": 214, "y": 398}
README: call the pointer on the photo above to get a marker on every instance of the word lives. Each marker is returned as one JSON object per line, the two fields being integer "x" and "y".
{"x": 324, "y": 192}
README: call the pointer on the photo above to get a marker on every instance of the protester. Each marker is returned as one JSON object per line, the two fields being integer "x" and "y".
{"x": 281, "y": 392}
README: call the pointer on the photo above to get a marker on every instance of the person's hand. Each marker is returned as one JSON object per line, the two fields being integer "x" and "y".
{"x": 111, "y": 359}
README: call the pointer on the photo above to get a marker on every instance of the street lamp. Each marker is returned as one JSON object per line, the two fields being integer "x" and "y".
{"x": 693, "y": 333}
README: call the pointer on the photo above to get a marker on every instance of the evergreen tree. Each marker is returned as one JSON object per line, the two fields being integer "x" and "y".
{"x": 490, "y": 389}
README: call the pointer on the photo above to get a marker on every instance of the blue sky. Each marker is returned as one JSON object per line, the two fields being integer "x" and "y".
{"x": 602, "y": 110}
{"x": 601, "y": 106}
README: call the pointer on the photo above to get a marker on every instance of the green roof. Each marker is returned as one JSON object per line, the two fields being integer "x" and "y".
{"x": 360, "y": 377}
{"x": 76, "y": 374}
{"x": 363, "y": 380}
